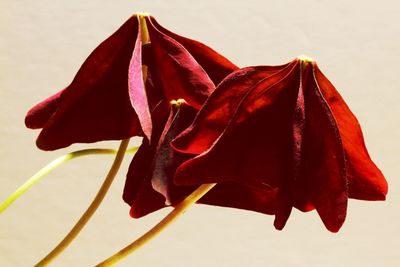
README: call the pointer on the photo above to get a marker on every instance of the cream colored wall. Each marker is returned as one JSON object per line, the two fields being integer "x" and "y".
{"x": 43, "y": 43}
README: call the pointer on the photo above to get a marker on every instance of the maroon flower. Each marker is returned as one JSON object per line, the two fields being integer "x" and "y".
{"x": 285, "y": 130}
{"x": 107, "y": 100}
{"x": 149, "y": 184}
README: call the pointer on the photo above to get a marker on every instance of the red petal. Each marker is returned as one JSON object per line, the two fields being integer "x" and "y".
{"x": 220, "y": 107}
{"x": 166, "y": 160}
{"x": 255, "y": 146}
{"x": 138, "y": 191}
{"x": 96, "y": 106}
{"x": 239, "y": 196}
{"x": 323, "y": 160}
{"x": 137, "y": 91}
{"x": 39, "y": 115}
{"x": 179, "y": 72}
{"x": 366, "y": 181}
{"x": 283, "y": 209}
{"x": 216, "y": 66}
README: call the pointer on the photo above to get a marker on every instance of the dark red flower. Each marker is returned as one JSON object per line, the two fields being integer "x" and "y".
{"x": 107, "y": 100}
{"x": 285, "y": 130}
{"x": 149, "y": 184}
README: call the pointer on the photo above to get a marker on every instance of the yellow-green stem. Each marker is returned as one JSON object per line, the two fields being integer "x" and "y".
{"x": 92, "y": 208}
{"x": 53, "y": 165}
{"x": 170, "y": 218}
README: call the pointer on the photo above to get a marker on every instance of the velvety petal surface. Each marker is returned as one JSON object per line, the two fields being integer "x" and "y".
{"x": 180, "y": 74}
{"x": 166, "y": 160}
{"x": 323, "y": 162}
{"x": 136, "y": 86}
{"x": 138, "y": 190}
{"x": 255, "y": 144}
{"x": 39, "y": 115}
{"x": 366, "y": 181}
{"x": 95, "y": 106}
{"x": 149, "y": 185}
{"x": 216, "y": 66}
{"x": 287, "y": 132}
{"x": 220, "y": 107}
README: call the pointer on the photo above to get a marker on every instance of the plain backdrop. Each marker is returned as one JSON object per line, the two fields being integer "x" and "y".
{"x": 44, "y": 42}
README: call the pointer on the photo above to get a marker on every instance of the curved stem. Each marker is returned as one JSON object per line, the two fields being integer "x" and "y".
{"x": 92, "y": 208}
{"x": 170, "y": 218}
{"x": 51, "y": 166}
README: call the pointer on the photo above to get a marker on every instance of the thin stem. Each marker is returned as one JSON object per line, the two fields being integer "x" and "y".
{"x": 92, "y": 208}
{"x": 51, "y": 166}
{"x": 170, "y": 218}
{"x": 145, "y": 38}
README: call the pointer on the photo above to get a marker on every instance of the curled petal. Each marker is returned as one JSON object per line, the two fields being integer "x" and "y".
{"x": 138, "y": 190}
{"x": 136, "y": 86}
{"x": 166, "y": 160}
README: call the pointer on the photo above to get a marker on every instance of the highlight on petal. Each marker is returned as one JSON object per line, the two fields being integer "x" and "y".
{"x": 220, "y": 107}
{"x": 136, "y": 85}
{"x": 138, "y": 190}
{"x": 166, "y": 160}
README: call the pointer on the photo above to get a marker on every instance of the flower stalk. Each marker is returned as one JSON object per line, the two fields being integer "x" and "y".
{"x": 53, "y": 165}
{"x": 92, "y": 208}
{"x": 152, "y": 233}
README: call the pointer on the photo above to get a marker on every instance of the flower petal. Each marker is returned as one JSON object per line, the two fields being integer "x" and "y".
{"x": 366, "y": 181}
{"x": 136, "y": 86}
{"x": 95, "y": 106}
{"x": 323, "y": 157}
{"x": 239, "y": 196}
{"x": 166, "y": 160}
{"x": 179, "y": 72}
{"x": 215, "y": 65}
{"x": 138, "y": 191}
{"x": 40, "y": 114}
{"x": 219, "y": 108}
{"x": 255, "y": 144}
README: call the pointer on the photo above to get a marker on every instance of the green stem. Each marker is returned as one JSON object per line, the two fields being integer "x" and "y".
{"x": 51, "y": 166}
{"x": 170, "y": 218}
{"x": 91, "y": 209}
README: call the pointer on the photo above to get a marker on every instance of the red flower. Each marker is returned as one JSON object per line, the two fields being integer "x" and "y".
{"x": 149, "y": 184}
{"x": 107, "y": 100}
{"x": 285, "y": 130}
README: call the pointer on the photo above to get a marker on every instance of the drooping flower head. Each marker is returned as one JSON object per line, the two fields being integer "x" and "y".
{"x": 110, "y": 97}
{"x": 287, "y": 130}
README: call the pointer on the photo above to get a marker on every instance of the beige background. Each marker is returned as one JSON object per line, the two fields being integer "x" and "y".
{"x": 43, "y": 43}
